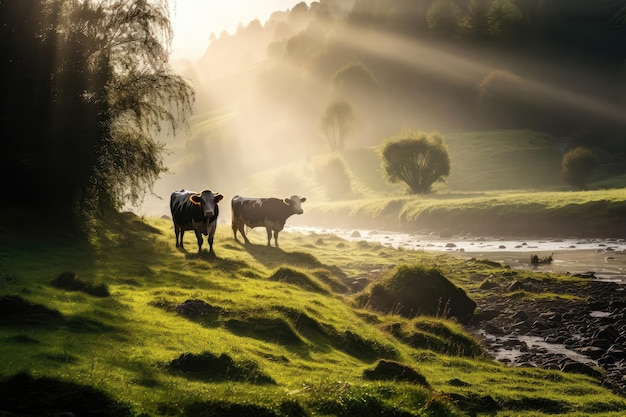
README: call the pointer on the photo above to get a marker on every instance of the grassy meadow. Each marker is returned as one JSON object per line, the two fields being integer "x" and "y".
{"x": 294, "y": 341}
{"x": 501, "y": 183}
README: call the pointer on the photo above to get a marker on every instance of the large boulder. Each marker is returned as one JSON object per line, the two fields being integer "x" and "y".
{"x": 414, "y": 290}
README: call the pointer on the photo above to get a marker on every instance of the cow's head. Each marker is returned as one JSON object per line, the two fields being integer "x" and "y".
{"x": 208, "y": 200}
{"x": 294, "y": 201}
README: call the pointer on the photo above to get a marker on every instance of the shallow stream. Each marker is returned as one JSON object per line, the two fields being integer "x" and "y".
{"x": 606, "y": 258}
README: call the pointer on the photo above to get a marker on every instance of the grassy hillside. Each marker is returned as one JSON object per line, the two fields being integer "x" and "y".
{"x": 480, "y": 161}
{"x": 250, "y": 331}
{"x": 494, "y": 160}
{"x": 509, "y": 213}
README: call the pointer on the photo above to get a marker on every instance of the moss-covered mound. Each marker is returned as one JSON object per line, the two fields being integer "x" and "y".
{"x": 415, "y": 290}
{"x": 437, "y": 335}
{"x": 71, "y": 282}
{"x": 394, "y": 371}
{"x": 301, "y": 279}
{"x": 208, "y": 367}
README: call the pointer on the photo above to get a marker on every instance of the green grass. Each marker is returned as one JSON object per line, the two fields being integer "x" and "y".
{"x": 281, "y": 313}
{"x": 513, "y": 213}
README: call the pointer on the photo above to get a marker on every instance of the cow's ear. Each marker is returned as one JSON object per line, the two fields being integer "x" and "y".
{"x": 303, "y": 199}
{"x": 196, "y": 199}
{"x": 287, "y": 201}
{"x": 218, "y": 197}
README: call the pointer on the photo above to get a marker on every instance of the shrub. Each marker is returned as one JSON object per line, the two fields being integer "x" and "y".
{"x": 416, "y": 158}
{"x": 577, "y": 166}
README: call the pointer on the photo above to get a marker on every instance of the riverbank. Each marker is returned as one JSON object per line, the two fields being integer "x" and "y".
{"x": 563, "y": 214}
{"x": 606, "y": 258}
{"x": 579, "y": 328}
{"x": 529, "y": 322}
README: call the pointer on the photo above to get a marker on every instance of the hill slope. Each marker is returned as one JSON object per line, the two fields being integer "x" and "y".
{"x": 249, "y": 331}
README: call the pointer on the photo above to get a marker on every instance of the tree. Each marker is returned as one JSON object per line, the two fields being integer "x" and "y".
{"x": 104, "y": 93}
{"x": 504, "y": 18}
{"x": 476, "y": 22}
{"x": 336, "y": 123}
{"x": 417, "y": 158}
{"x": 577, "y": 166}
{"x": 444, "y": 18}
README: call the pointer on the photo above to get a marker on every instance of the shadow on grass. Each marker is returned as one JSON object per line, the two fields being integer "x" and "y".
{"x": 24, "y": 395}
{"x": 224, "y": 264}
{"x": 16, "y": 311}
{"x": 217, "y": 408}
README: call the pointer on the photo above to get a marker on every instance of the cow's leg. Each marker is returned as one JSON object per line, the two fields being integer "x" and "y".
{"x": 241, "y": 227}
{"x": 269, "y": 235}
{"x": 234, "y": 226}
{"x": 210, "y": 240}
{"x": 199, "y": 237}
{"x": 181, "y": 233}
{"x": 176, "y": 233}
{"x": 276, "y": 238}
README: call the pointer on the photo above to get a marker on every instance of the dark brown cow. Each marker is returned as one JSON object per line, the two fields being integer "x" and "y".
{"x": 272, "y": 213}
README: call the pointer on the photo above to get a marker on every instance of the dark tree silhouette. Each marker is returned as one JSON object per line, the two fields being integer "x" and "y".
{"x": 577, "y": 166}
{"x": 336, "y": 123}
{"x": 95, "y": 90}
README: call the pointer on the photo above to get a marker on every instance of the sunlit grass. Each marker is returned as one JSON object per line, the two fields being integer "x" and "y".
{"x": 123, "y": 344}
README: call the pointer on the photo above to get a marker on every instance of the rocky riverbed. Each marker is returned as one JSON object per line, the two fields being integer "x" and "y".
{"x": 577, "y": 326}
{"x": 580, "y": 328}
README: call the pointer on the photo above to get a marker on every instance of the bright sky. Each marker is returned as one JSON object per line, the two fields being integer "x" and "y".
{"x": 194, "y": 20}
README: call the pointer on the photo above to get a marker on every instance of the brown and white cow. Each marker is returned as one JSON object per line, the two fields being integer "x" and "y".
{"x": 197, "y": 212}
{"x": 272, "y": 213}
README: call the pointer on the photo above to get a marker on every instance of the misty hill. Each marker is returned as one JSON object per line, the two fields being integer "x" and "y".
{"x": 552, "y": 69}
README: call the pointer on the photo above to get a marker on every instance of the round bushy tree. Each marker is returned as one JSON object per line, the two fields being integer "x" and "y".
{"x": 417, "y": 158}
{"x": 577, "y": 166}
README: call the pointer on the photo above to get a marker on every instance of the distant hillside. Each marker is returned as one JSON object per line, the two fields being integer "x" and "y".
{"x": 490, "y": 160}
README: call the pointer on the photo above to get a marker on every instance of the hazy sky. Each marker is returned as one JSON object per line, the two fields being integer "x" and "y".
{"x": 194, "y": 20}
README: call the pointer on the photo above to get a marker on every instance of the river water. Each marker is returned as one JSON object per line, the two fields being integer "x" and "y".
{"x": 606, "y": 258}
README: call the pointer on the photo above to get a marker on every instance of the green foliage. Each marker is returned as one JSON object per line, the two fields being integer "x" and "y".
{"x": 491, "y": 19}
{"x": 416, "y": 158}
{"x": 504, "y": 18}
{"x": 107, "y": 91}
{"x": 577, "y": 166}
{"x": 475, "y": 23}
{"x": 444, "y": 18}
{"x": 336, "y": 123}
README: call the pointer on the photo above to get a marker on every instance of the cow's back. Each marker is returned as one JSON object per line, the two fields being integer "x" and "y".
{"x": 255, "y": 211}
{"x": 249, "y": 210}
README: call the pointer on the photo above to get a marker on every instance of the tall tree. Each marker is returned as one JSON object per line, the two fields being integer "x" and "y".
{"x": 336, "y": 123}
{"x": 110, "y": 93}
{"x": 444, "y": 18}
